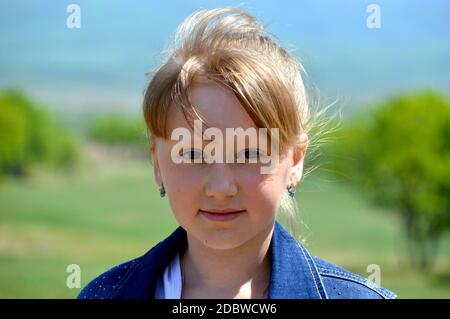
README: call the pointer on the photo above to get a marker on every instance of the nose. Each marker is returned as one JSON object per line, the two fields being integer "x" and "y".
{"x": 221, "y": 181}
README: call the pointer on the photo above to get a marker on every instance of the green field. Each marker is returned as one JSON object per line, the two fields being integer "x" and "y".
{"x": 110, "y": 211}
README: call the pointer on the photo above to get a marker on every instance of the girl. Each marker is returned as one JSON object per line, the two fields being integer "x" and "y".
{"x": 225, "y": 73}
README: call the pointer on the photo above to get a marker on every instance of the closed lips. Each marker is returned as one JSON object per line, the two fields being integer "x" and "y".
{"x": 222, "y": 211}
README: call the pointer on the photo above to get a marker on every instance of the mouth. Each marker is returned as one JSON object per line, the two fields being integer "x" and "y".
{"x": 222, "y": 215}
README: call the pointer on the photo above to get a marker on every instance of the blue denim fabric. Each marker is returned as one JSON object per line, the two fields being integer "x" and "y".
{"x": 296, "y": 274}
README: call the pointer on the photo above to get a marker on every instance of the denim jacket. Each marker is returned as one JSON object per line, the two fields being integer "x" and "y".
{"x": 296, "y": 274}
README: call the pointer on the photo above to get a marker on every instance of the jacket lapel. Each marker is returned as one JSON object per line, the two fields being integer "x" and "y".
{"x": 294, "y": 274}
{"x": 142, "y": 280}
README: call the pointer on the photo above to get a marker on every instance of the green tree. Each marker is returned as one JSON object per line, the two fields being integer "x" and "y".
{"x": 399, "y": 154}
{"x": 115, "y": 129}
{"x": 28, "y": 135}
{"x": 13, "y": 138}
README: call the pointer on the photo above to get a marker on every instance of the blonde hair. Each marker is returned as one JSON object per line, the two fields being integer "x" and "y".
{"x": 230, "y": 47}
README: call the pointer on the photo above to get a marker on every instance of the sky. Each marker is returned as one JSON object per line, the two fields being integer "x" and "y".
{"x": 101, "y": 66}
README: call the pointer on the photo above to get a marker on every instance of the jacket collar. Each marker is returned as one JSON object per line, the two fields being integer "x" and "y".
{"x": 294, "y": 274}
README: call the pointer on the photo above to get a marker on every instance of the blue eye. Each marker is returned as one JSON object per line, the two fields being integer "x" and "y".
{"x": 191, "y": 154}
{"x": 249, "y": 155}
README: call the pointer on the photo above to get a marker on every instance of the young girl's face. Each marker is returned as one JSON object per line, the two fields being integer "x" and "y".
{"x": 193, "y": 189}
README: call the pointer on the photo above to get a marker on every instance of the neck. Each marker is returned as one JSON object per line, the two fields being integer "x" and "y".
{"x": 243, "y": 271}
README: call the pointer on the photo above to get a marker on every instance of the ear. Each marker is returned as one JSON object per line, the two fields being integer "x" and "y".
{"x": 298, "y": 157}
{"x": 154, "y": 154}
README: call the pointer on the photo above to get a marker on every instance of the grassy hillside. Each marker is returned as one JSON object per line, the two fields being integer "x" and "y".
{"x": 109, "y": 211}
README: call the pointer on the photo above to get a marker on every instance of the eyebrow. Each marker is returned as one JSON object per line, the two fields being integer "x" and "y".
{"x": 204, "y": 139}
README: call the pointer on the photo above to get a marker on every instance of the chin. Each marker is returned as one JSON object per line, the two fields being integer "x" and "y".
{"x": 223, "y": 239}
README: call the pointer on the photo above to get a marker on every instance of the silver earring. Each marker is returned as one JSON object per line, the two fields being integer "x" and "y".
{"x": 162, "y": 191}
{"x": 292, "y": 191}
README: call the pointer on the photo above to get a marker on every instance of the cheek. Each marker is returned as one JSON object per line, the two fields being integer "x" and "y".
{"x": 178, "y": 178}
{"x": 183, "y": 187}
{"x": 184, "y": 191}
{"x": 182, "y": 181}
{"x": 262, "y": 192}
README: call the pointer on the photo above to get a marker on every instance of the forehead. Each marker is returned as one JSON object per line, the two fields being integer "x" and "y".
{"x": 218, "y": 106}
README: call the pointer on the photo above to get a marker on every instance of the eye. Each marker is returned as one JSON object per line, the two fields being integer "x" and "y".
{"x": 191, "y": 154}
{"x": 249, "y": 155}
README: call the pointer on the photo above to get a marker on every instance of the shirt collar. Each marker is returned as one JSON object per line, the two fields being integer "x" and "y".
{"x": 293, "y": 276}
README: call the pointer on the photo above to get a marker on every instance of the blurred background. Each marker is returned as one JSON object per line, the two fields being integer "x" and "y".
{"x": 76, "y": 184}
